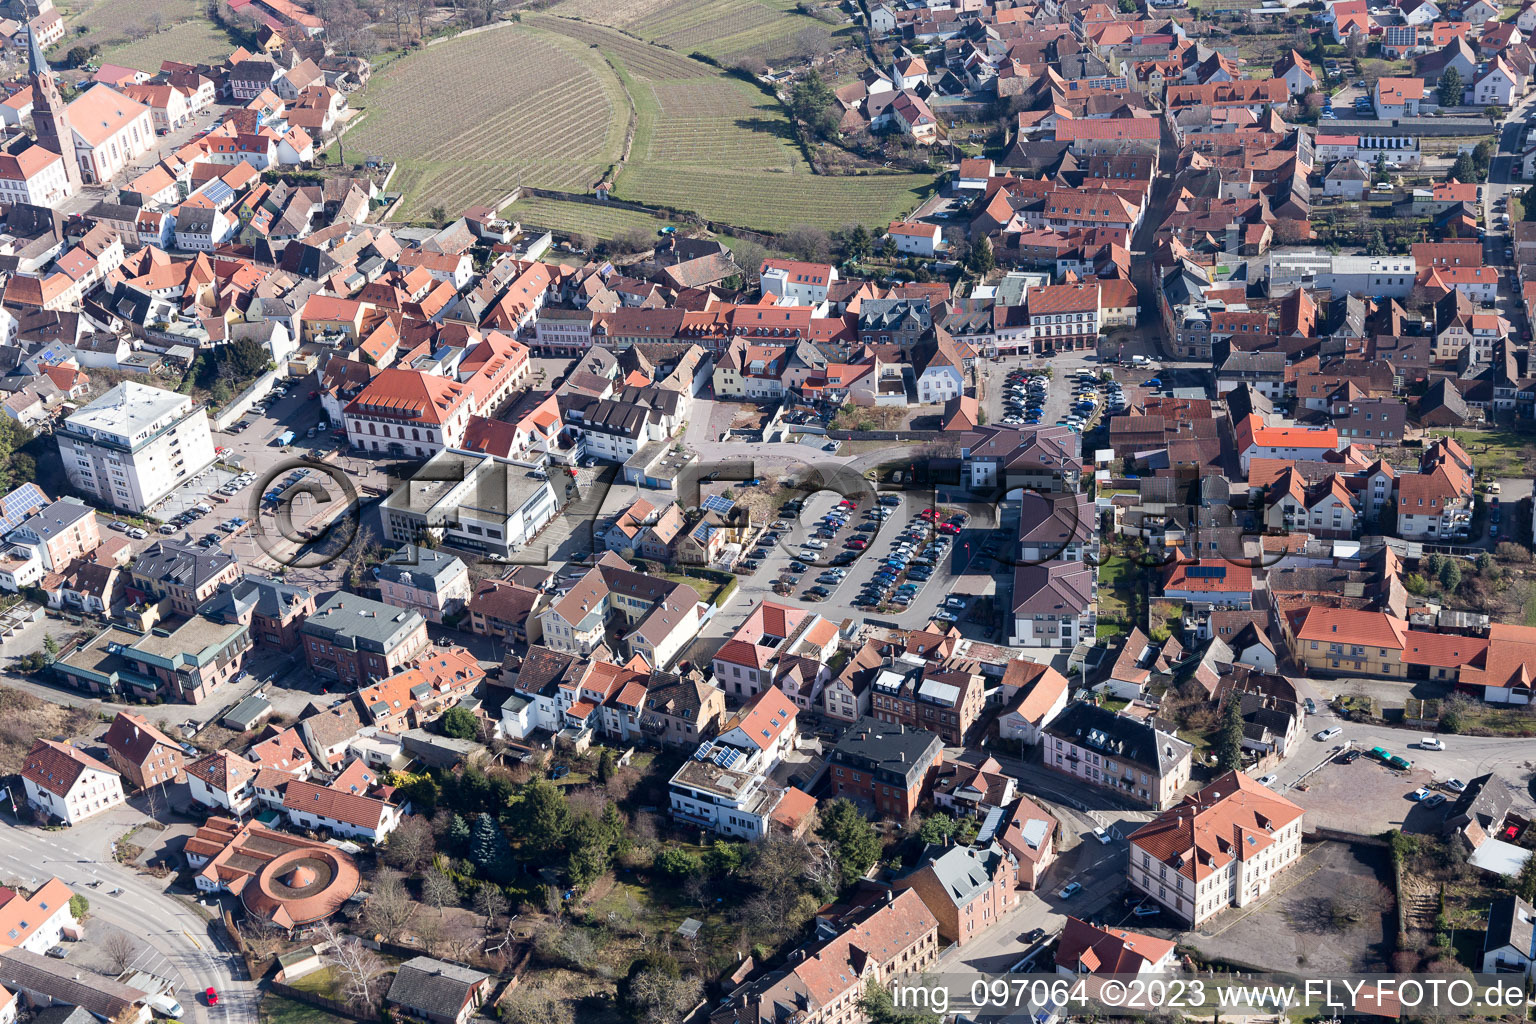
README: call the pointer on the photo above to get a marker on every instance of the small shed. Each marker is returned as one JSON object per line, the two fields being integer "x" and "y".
{"x": 248, "y": 714}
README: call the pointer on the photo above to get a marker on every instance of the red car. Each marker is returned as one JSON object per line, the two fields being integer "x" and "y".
{"x": 856, "y": 543}
{"x": 212, "y": 996}
{"x": 313, "y": 395}
{"x": 928, "y": 514}
{"x": 949, "y": 528}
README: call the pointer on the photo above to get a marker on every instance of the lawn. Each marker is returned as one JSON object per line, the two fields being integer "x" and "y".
{"x": 601, "y": 222}
{"x": 1494, "y": 452}
{"x": 275, "y": 1009}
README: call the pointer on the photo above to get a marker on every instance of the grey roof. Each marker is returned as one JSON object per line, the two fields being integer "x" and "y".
{"x": 419, "y": 567}
{"x": 267, "y": 598}
{"x": 890, "y": 752}
{"x": 433, "y": 987}
{"x": 171, "y": 561}
{"x": 24, "y": 971}
{"x": 59, "y": 516}
{"x": 965, "y": 872}
{"x": 894, "y": 315}
{"x": 361, "y": 623}
{"x": 248, "y": 712}
{"x": 1486, "y": 801}
{"x": 62, "y": 1015}
{"x": 1510, "y": 924}
{"x": 1126, "y": 739}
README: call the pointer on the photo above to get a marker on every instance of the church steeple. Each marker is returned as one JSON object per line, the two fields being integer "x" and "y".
{"x": 37, "y": 64}
{"x": 48, "y": 115}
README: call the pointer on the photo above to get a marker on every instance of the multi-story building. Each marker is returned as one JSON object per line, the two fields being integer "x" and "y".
{"x": 726, "y": 785}
{"x": 184, "y": 577}
{"x": 59, "y": 534}
{"x": 180, "y": 659}
{"x": 223, "y": 780}
{"x": 824, "y": 983}
{"x": 795, "y": 283}
{"x": 1128, "y": 756}
{"x": 425, "y": 580}
{"x": 431, "y": 685}
{"x": 142, "y": 753}
{"x": 1056, "y": 527}
{"x": 1221, "y": 847}
{"x": 911, "y": 692}
{"x": 681, "y": 711}
{"x": 653, "y": 617}
{"x": 358, "y": 640}
{"x": 1054, "y": 604}
{"x": 1064, "y": 317}
{"x": 968, "y": 888}
{"x": 271, "y": 610}
{"x": 885, "y": 767}
{"x": 67, "y": 783}
{"x": 774, "y": 639}
{"x": 134, "y": 445}
{"x": 470, "y": 501}
{"x": 409, "y": 412}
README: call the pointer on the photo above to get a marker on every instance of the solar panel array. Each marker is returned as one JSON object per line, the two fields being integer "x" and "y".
{"x": 19, "y": 504}
{"x": 720, "y": 504}
{"x": 1206, "y": 572}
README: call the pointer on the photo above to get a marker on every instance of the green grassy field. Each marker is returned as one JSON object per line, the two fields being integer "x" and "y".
{"x": 143, "y": 33}
{"x": 469, "y": 119}
{"x": 726, "y": 30}
{"x": 602, "y": 222}
{"x": 546, "y": 103}
{"x": 197, "y": 41}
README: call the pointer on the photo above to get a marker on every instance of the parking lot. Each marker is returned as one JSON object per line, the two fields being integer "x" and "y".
{"x": 1367, "y": 796}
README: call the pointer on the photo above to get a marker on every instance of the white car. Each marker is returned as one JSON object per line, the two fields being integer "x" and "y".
{"x": 1328, "y": 734}
{"x": 1103, "y": 836}
{"x": 816, "y": 544}
{"x": 1069, "y": 890}
{"x": 1267, "y": 780}
{"x": 1431, "y": 743}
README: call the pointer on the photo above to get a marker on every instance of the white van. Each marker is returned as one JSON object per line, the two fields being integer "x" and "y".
{"x": 165, "y": 1005}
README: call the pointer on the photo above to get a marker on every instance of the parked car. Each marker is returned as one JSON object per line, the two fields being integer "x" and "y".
{"x": 1431, "y": 743}
{"x": 1267, "y": 780}
{"x": 1103, "y": 836}
{"x": 1434, "y": 800}
{"x": 1328, "y": 734}
{"x": 1069, "y": 890}
{"x": 1454, "y": 785}
{"x": 1419, "y": 795}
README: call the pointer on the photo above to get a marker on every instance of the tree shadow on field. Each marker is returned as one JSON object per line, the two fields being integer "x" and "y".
{"x": 776, "y": 126}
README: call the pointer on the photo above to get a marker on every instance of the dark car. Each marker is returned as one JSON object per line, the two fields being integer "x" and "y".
{"x": 1033, "y": 935}
{"x": 1349, "y": 757}
{"x": 798, "y": 567}
{"x": 751, "y": 565}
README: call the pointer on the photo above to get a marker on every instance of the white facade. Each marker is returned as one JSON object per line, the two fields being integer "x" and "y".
{"x": 40, "y": 182}
{"x": 1237, "y": 883}
{"x": 93, "y": 791}
{"x": 471, "y": 501}
{"x": 134, "y": 445}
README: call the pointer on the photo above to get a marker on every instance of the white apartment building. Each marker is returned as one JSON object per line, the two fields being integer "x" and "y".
{"x": 470, "y": 501}
{"x": 796, "y": 283}
{"x": 725, "y": 786}
{"x": 67, "y": 783}
{"x": 1221, "y": 847}
{"x": 134, "y": 445}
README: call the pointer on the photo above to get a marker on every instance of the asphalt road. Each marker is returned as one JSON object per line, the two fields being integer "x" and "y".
{"x": 182, "y": 937}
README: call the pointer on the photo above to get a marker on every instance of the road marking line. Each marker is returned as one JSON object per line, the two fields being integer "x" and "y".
{"x": 191, "y": 939}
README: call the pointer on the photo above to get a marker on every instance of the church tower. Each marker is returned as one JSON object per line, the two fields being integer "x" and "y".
{"x": 48, "y": 116}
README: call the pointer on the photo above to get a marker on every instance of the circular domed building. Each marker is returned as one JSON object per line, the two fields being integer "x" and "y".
{"x": 301, "y": 886}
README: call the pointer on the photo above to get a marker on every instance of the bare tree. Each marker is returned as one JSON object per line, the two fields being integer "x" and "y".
{"x": 120, "y": 950}
{"x": 813, "y": 41}
{"x": 360, "y": 968}
{"x": 661, "y": 998}
{"x": 438, "y": 890}
{"x": 410, "y": 845}
{"x": 490, "y": 902}
{"x": 156, "y": 21}
{"x": 389, "y": 906}
{"x": 429, "y": 931}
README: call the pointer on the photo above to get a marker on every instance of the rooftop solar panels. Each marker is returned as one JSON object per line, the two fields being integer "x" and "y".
{"x": 719, "y": 503}
{"x": 20, "y": 503}
{"x": 1206, "y": 572}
